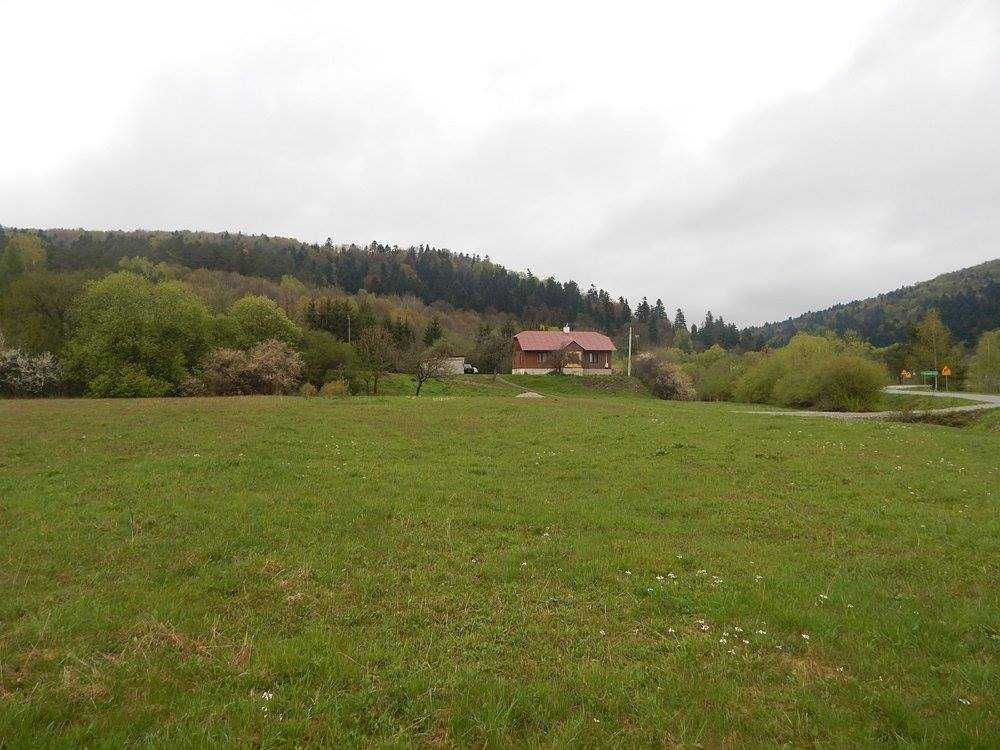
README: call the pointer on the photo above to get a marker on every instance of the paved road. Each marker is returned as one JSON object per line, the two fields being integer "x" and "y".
{"x": 986, "y": 401}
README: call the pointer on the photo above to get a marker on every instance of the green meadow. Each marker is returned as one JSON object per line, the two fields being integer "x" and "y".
{"x": 587, "y": 569}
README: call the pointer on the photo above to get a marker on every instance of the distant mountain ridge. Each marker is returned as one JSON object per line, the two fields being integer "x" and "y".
{"x": 968, "y": 300}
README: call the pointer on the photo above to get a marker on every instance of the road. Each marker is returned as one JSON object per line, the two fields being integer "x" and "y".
{"x": 986, "y": 401}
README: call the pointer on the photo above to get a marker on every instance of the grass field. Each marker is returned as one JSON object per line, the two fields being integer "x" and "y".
{"x": 908, "y": 401}
{"x": 484, "y": 570}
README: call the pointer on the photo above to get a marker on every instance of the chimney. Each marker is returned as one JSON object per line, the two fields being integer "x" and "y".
{"x": 565, "y": 329}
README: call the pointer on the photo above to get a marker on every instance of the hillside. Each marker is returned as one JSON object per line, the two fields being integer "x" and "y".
{"x": 471, "y": 290}
{"x": 431, "y": 275}
{"x": 968, "y": 300}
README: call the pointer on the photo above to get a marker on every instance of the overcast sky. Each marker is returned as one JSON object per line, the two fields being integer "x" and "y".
{"x": 756, "y": 158}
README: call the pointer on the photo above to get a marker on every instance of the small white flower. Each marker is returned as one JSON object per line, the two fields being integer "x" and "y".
{"x": 671, "y": 630}
{"x": 267, "y": 695}
{"x": 805, "y": 637}
{"x": 704, "y": 628}
{"x": 659, "y": 578}
{"x": 722, "y": 640}
{"x": 628, "y": 572}
{"x": 758, "y": 578}
{"x": 746, "y": 642}
{"x": 761, "y": 632}
{"x": 964, "y": 702}
{"x": 671, "y": 575}
{"x": 823, "y": 596}
{"x": 737, "y": 629}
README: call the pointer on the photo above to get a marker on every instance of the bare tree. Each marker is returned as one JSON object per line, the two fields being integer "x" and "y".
{"x": 429, "y": 363}
{"x": 557, "y": 360}
{"x": 377, "y": 350}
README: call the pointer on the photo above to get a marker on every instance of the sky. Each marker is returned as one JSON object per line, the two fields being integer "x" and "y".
{"x": 756, "y": 159}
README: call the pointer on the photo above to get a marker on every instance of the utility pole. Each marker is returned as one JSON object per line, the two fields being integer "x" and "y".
{"x": 628, "y": 367}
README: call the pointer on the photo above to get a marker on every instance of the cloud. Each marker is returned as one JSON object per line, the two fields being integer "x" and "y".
{"x": 736, "y": 167}
{"x": 887, "y": 175}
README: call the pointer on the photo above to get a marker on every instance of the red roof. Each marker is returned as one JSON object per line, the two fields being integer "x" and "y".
{"x": 550, "y": 341}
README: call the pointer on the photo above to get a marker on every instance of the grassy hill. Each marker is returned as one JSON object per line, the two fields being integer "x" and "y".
{"x": 969, "y": 302}
{"x": 485, "y": 570}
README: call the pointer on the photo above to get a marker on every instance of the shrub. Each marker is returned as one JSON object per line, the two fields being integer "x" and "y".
{"x": 669, "y": 381}
{"x": 334, "y": 388}
{"x": 814, "y": 371}
{"x": 848, "y": 383}
{"x": 326, "y": 357}
{"x": 225, "y": 372}
{"x": 270, "y": 367}
{"x": 666, "y": 380}
{"x": 128, "y": 382}
{"x": 193, "y": 386}
{"x": 714, "y": 372}
{"x": 308, "y": 390}
{"x": 274, "y": 367}
{"x": 24, "y": 375}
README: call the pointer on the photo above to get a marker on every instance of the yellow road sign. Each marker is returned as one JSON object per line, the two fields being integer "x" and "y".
{"x": 946, "y": 371}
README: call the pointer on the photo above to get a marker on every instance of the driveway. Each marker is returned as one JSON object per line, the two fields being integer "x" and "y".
{"x": 986, "y": 401}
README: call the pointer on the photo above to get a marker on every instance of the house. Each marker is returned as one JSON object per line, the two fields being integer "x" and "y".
{"x": 581, "y": 352}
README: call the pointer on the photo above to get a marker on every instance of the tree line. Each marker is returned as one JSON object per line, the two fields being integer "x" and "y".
{"x": 432, "y": 275}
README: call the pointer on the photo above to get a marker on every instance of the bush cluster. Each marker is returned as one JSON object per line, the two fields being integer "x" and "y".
{"x": 26, "y": 376}
{"x": 814, "y": 371}
{"x": 665, "y": 379}
{"x": 269, "y": 367}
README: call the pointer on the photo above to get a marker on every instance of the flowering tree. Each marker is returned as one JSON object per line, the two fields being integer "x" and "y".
{"x": 24, "y": 375}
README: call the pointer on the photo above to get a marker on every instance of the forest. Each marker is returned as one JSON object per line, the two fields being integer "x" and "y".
{"x": 188, "y": 313}
{"x": 967, "y": 300}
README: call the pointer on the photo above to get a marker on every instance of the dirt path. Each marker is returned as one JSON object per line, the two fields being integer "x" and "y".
{"x": 986, "y": 401}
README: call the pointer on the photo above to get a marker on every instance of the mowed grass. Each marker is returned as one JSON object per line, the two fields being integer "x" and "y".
{"x": 492, "y": 571}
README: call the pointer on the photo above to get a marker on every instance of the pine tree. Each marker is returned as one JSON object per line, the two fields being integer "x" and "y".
{"x": 433, "y": 332}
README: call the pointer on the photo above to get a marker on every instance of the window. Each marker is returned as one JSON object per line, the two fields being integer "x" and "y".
{"x": 592, "y": 358}
{"x": 542, "y": 356}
